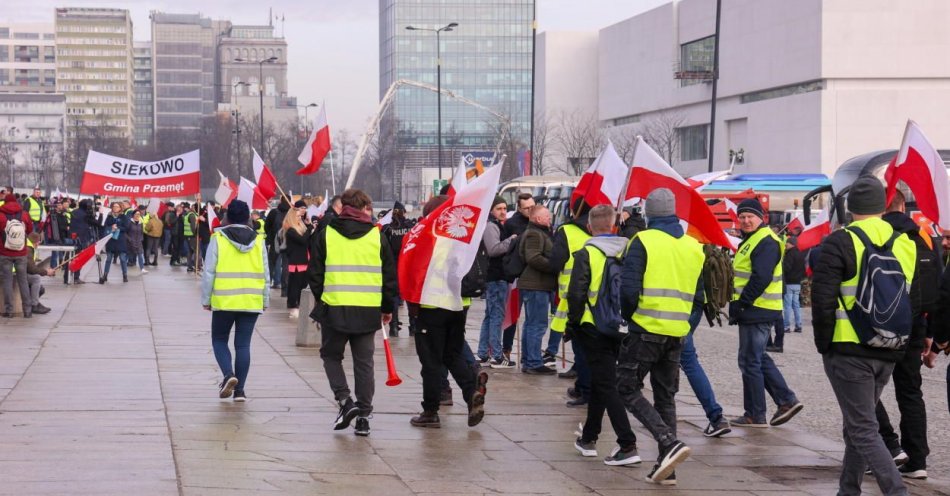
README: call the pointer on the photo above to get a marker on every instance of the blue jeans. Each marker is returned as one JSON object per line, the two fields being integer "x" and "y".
{"x": 689, "y": 362}
{"x": 140, "y": 259}
{"x": 123, "y": 262}
{"x": 759, "y": 373}
{"x": 554, "y": 342}
{"x": 490, "y": 337}
{"x": 243, "y": 323}
{"x": 536, "y": 309}
{"x": 792, "y": 304}
{"x": 166, "y": 241}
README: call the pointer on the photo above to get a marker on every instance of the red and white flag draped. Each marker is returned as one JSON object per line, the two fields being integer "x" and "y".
{"x": 226, "y": 191}
{"x": 212, "y": 218}
{"x": 249, "y": 193}
{"x": 733, "y": 211}
{"x": 797, "y": 224}
{"x": 459, "y": 179}
{"x": 87, "y": 254}
{"x": 602, "y": 182}
{"x": 815, "y": 232}
{"x": 700, "y": 181}
{"x": 266, "y": 182}
{"x": 317, "y": 146}
{"x": 386, "y": 220}
{"x": 919, "y": 165}
{"x": 651, "y": 172}
{"x": 156, "y": 207}
{"x": 440, "y": 249}
{"x": 512, "y": 306}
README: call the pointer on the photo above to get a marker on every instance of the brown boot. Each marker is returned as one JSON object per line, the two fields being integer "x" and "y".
{"x": 429, "y": 419}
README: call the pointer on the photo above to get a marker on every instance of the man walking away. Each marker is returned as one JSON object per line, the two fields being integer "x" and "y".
{"x": 857, "y": 361}
{"x": 353, "y": 280}
{"x": 536, "y": 283}
{"x": 601, "y": 349}
{"x": 662, "y": 295}
{"x": 756, "y": 305}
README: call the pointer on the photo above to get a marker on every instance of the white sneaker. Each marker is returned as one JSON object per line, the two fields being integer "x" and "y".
{"x": 294, "y": 313}
{"x": 144, "y": 271}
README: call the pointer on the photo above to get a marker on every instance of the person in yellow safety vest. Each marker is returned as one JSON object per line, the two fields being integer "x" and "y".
{"x": 600, "y": 350}
{"x": 257, "y": 223}
{"x": 189, "y": 229}
{"x": 352, "y": 277}
{"x": 661, "y": 296}
{"x": 35, "y": 206}
{"x": 35, "y": 273}
{"x": 568, "y": 239}
{"x": 441, "y": 347}
{"x": 756, "y": 305}
{"x": 234, "y": 288}
{"x": 857, "y": 371}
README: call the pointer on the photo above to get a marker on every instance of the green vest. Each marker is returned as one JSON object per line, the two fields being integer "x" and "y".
{"x": 771, "y": 298}
{"x": 188, "y": 231}
{"x": 878, "y": 231}
{"x": 674, "y": 266}
{"x": 576, "y": 237}
{"x": 239, "y": 282}
{"x": 36, "y": 209}
{"x": 354, "y": 270}
{"x": 36, "y": 256}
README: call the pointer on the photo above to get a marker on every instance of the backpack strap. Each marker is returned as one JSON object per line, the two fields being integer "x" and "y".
{"x": 867, "y": 241}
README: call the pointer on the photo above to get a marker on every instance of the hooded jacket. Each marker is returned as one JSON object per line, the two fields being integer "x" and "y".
{"x": 350, "y": 319}
{"x": 275, "y": 221}
{"x": 496, "y": 247}
{"x": 611, "y": 246}
{"x": 241, "y": 237}
{"x": 83, "y": 224}
{"x": 13, "y": 210}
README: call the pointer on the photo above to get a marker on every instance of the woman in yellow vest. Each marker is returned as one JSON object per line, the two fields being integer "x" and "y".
{"x": 234, "y": 287}
{"x": 757, "y": 303}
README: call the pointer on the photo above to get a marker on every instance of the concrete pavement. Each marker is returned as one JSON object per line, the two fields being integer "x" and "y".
{"x": 115, "y": 393}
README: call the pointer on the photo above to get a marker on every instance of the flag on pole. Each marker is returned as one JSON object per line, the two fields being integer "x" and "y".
{"x": 650, "y": 172}
{"x": 249, "y": 193}
{"x": 815, "y": 232}
{"x": 226, "y": 191}
{"x": 440, "y": 249}
{"x": 512, "y": 306}
{"x": 796, "y": 225}
{"x": 212, "y": 218}
{"x": 459, "y": 179}
{"x": 266, "y": 182}
{"x": 920, "y": 167}
{"x": 317, "y": 146}
{"x": 732, "y": 210}
{"x": 602, "y": 182}
{"x": 104, "y": 210}
{"x": 87, "y": 254}
{"x": 700, "y": 181}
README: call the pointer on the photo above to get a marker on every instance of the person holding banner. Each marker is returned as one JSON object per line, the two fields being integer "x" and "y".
{"x": 118, "y": 225}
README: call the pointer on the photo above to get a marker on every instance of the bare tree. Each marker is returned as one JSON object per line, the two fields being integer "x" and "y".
{"x": 661, "y": 132}
{"x": 580, "y": 139}
{"x": 343, "y": 150}
{"x": 46, "y": 153}
{"x": 544, "y": 137}
{"x": 7, "y": 156}
{"x": 624, "y": 139}
{"x": 92, "y": 134}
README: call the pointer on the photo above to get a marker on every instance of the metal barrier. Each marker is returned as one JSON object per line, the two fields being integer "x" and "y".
{"x": 308, "y": 331}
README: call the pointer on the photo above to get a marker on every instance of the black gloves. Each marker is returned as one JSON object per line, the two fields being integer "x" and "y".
{"x": 736, "y": 308}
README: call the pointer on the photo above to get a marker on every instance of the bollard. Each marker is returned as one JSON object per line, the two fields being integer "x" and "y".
{"x": 308, "y": 331}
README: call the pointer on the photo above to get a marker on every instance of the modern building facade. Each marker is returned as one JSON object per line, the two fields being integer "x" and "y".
{"x": 31, "y": 139}
{"x": 27, "y": 58}
{"x": 486, "y": 59}
{"x": 143, "y": 91}
{"x": 94, "y": 68}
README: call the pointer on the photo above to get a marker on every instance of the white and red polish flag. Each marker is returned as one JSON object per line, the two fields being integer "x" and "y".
{"x": 249, "y": 193}
{"x": 226, "y": 191}
{"x": 512, "y": 306}
{"x": 602, "y": 182}
{"x": 317, "y": 146}
{"x": 733, "y": 211}
{"x": 459, "y": 179}
{"x": 266, "y": 182}
{"x": 386, "y": 220}
{"x": 156, "y": 207}
{"x": 797, "y": 224}
{"x": 87, "y": 254}
{"x": 919, "y": 165}
{"x": 105, "y": 208}
{"x": 440, "y": 248}
{"x": 213, "y": 221}
{"x": 700, "y": 181}
{"x": 815, "y": 232}
{"x": 650, "y": 171}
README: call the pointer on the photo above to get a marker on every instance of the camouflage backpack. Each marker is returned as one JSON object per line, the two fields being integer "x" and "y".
{"x": 717, "y": 282}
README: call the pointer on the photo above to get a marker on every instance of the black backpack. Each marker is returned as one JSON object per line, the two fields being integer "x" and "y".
{"x": 882, "y": 315}
{"x": 512, "y": 263}
{"x": 929, "y": 272}
{"x": 473, "y": 284}
{"x": 608, "y": 318}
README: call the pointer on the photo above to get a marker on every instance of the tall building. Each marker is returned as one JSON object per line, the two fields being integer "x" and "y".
{"x": 240, "y": 51}
{"x": 94, "y": 68}
{"x": 142, "y": 89}
{"x": 183, "y": 68}
{"x": 31, "y": 139}
{"x": 27, "y": 58}
{"x": 486, "y": 58}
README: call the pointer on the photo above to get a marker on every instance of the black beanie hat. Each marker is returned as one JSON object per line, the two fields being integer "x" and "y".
{"x": 750, "y": 206}
{"x": 867, "y": 196}
{"x": 399, "y": 206}
{"x": 238, "y": 213}
{"x": 300, "y": 204}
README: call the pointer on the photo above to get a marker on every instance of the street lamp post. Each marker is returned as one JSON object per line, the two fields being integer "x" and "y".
{"x": 438, "y": 79}
{"x": 260, "y": 90}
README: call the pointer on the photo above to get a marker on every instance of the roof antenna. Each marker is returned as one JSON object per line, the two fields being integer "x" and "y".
{"x": 270, "y": 17}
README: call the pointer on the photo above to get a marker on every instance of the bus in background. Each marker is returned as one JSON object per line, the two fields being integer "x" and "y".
{"x": 780, "y": 194}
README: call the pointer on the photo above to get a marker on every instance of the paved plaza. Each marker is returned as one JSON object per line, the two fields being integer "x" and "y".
{"x": 115, "y": 392}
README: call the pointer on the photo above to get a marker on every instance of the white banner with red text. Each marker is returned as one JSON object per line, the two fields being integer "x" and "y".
{"x": 117, "y": 176}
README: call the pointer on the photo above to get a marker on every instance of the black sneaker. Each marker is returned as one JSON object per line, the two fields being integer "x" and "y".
{"x": 670, "y": 457}
{"x": 900, "y": 458}
{"x": 576, "y": 403}
{"x": 227, "y": 386}
{"x": 774, "y": 349}
{"x": 476, "y": 410}
{"x": 348, "y": 412}
{"x": 785, "y": 413}
{"x": 717, "y": 428}
{"x": 573, "y": 393}
{"x": 568, "y": 374}
{"x": 542, "y": 370}
{"x": 669, "y": 481}
{"x": 426, "y": 419}
{"x": 41, "y": 309}
{"x": 239, "y": 397}
{"x": 125, "y": 278}
{"x": 798, "y": 329}
{"x": 548, "y": 359}
{"x": 619, "y": 457}
{"x": 362, "y": 426}
{"x": 748, "y": 422}
{"x": 586, "y": 448}
{"x": 483, "y": 362}
{"x": 908, "y": 472}
{"x": 504, "y": 363}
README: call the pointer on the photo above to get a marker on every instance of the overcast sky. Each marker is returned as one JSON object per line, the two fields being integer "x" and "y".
{"x": 332, "y": 44}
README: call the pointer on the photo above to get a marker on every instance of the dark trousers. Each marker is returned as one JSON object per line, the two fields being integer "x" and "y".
{"x": 508, "y": 338}
{"x": 583, "y": 382}
{"x": 601, "y": 353}
{"x": 439, "y": 342}
{"x": 152, "y": 249}
{"x": 296, "y": 282}
{"x": 362, "y": 346}
{"x": 910, "y": 402}
{"x": 779, "y": 340}
{"x": 659, "y": 356}
{"x": 174, "y": 248}
{"x": 243, "y": 323}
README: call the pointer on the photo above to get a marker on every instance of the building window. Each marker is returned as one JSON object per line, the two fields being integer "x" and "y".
{"x": 696, "y": 60}
{"x": 238, "y": 88}
{"x": 693, "y": 142}
{"x": 270, "y": 86}
{"x": 253, "y": 54}
{"x": 794, "y": 89}
{"x": 254, "y": 87}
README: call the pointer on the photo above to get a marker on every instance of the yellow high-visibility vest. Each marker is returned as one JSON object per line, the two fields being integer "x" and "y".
{"x": 36, "y": 209}
{"x": 239, "y": 281}
{"x": 674, "y": 266}
{"x": 188, "y": 232}
{"x": 771, "y": 298}
{"x": 878, "y": 231}
{"x": 576, "y": 237}
{"x": 354, "y": 270}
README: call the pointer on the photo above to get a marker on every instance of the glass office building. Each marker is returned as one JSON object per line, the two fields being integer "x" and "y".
{"x": 487, "y": 59}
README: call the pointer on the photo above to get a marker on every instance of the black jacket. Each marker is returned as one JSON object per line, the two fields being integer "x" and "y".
{"x": 562, "y": 252}
{"x": 274, "y": 222}
{"x": 83, "y": 225}
{"x": 837, "y": 264}
{"x": 298, "y": 246}
{"x": 350, "y": 319}
{"x": 395, "y": 231}
{"x": 941, "y": 321}
{"x": 793, "y": 266}
{"x": 765, "y": 256}
{"x": 515, "y": 225}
